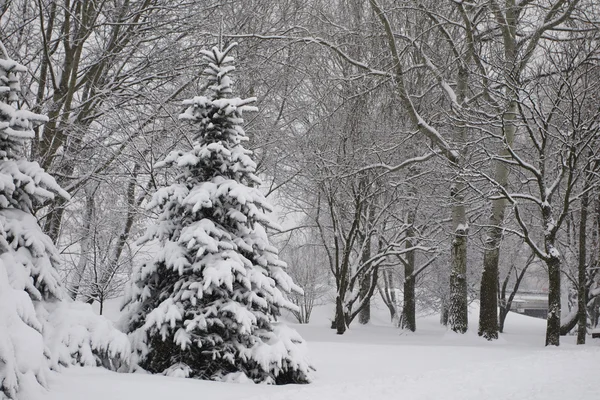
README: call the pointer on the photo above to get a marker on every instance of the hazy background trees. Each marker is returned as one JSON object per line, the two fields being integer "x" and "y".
{"x": 422, "y": 154}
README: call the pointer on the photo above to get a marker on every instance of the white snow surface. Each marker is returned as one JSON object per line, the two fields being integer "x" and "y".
{"x": 378, "y": 361}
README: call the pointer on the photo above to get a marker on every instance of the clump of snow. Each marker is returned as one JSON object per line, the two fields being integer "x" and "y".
{"x": 553, "y": 252}
{"x": 179, "y": 370}
{"x": 75, "y": 335}
{"x": 22, "y": 361}
{"x": 237, "y": 377}
{"x": 40, "y": 329}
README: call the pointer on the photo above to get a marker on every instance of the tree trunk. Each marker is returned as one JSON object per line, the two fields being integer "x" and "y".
{"x": 568, "y": 324}
{"x": 488, "y": 314}
{"x": 458, "y": 308}
{"x": 388, "y": 294}
{"x": 340, "y": 318}
{"x": 504, "y": 310}
{"x": 594, "y": 314}
{"x": 85, "y": 242}
{"x": 364, "y": 316}
{"x": 101, "y": 301}
{"x": 582, "y": 279}
{"x": 458, "y": 315}
{"x": 408, "y": 319}
{"x": 54, "y": 218}
{"x": 444, "y": 313}
{"x": 594, "y": 301}
{"x": 553, "y": 322}
{"x": 112, "y": 265}
{"x": 488, "y": 318}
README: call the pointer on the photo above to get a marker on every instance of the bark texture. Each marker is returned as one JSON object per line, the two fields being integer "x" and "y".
{"x": 458, "y": 316}
{"x": 582, "y": 267}
{"x": 408, "y": 320}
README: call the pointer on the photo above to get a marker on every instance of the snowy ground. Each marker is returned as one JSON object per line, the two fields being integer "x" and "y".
{"x": 379, "y": 362}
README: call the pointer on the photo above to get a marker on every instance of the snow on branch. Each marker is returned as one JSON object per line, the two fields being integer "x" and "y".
{"x": 406, "y": 163}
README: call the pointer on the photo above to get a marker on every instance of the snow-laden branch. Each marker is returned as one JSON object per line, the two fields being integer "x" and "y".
{"x": 522, "y": 224}
{"x": 522, "y": 196}
{"x": 406, "y": 163}
{"x": 520, "y": 161}
{"x": 424, "y": 128}
{"x": 398, "y": 75}
{"x": 423, "y": 267}
{"x": 552, "y": 19}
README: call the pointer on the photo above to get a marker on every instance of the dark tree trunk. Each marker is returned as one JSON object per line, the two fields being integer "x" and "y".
{"x": 101, "y": 301}
{"x": 457, "y": 307}
{"x": 458, "y": 315}
{"x": 444, "y": 313}
{"x": 582, "y": 279}
{"x": 408, "y": 319}
{"x": 488, "y": 314}
{"x": 340, "y": 318}
{"x": 502, "y": 318}
{"x": 568, "y": 325}
{"x": 554, "y": 309}
{"x": 54, "y": 218}
{"x": 364, "y": 316}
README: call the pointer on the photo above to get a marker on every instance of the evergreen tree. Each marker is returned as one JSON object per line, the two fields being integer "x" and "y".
{"x": 38, "y": 329}
{"x": 206, "y": 306}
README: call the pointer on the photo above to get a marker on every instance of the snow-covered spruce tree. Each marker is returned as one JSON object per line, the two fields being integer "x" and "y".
{"x": 206, "y": 306}
{"x": 38, "y": 329}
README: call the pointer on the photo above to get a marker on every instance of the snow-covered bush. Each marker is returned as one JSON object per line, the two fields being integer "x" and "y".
{"x": 206, "y": 306}
{"x": 39, "y": 327}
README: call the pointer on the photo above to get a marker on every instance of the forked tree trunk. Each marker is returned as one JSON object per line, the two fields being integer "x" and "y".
{"x": 505, "y": 303}
{"x": 388, "y": 294}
